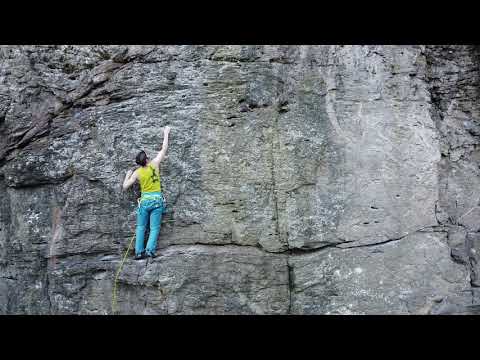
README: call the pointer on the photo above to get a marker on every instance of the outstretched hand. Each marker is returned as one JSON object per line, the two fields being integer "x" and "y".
{"x": 166, "y": 130}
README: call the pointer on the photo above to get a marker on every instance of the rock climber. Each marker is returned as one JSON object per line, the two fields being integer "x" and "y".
{"x": 151, "y": 203}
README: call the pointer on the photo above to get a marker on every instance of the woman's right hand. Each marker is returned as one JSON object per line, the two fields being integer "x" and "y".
{"x": 166, "y": 130}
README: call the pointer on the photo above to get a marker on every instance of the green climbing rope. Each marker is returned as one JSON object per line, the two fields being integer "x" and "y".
{"x": 114, "y": 294}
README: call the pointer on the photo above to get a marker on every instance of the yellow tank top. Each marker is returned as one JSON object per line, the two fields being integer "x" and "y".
{"x": 149, "y": 179}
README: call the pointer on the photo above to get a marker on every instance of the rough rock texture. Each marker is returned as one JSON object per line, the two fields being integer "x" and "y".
{"x": 410, "y": 275}
{"x": 299, "y": 179}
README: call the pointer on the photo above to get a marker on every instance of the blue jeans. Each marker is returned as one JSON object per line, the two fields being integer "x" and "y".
{"x": 149, "y": 209}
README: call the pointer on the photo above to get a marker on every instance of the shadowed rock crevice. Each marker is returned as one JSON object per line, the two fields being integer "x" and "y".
{"x": 454, "y": 83}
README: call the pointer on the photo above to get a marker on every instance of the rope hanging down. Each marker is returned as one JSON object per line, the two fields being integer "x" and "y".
{"x": 114, "y": 294}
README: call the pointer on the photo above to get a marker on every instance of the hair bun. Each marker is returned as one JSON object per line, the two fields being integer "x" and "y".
{"x": 141, "y": 158}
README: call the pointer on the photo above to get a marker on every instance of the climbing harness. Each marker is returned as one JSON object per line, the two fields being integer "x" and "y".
{"x": 114, "y": 293}
{"x": 153, "y": 197}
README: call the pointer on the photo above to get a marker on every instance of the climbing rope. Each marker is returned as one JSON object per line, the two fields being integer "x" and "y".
{"x": 114, "y": 294}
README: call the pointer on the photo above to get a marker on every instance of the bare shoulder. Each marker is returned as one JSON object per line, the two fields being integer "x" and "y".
{"x": 135, "y": 173}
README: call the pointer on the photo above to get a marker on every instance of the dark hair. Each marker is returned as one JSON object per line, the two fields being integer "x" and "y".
{"x": 141, "y": 158}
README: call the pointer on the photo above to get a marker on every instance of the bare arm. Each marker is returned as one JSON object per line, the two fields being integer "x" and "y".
{"x": 130, "y": 179}
{"x": 161, "y": 155}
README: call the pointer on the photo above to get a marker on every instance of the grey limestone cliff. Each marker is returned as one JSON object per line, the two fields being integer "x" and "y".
{"x": 299, "y": 179}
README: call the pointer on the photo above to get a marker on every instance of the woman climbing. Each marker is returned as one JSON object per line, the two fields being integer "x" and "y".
{"x": 151, "y": 202}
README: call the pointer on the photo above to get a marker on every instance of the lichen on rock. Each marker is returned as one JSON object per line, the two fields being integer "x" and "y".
{"x": 299, "y": 179}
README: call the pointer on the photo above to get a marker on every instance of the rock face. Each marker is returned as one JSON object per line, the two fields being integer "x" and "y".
{"x": 299, "y": 179}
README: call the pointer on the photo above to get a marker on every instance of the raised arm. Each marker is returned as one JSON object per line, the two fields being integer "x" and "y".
{"x": 161, "y": 155}
{"x": 129, "y": 180}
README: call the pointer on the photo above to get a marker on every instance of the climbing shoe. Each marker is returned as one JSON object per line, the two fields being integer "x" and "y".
{"x": 140, "y": 256}
{"x": 153, "y": 256}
